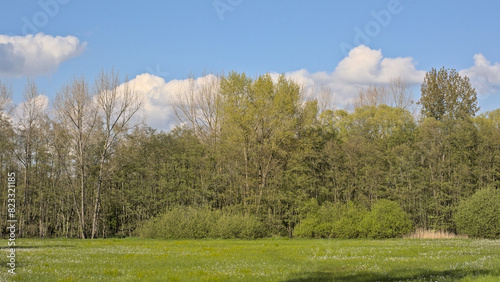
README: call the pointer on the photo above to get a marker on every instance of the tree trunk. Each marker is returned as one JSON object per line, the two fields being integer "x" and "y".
{"x": 97, "y": 198}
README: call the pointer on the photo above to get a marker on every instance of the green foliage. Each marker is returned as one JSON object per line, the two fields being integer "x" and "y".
{"x": 479, "y": 216}
{"x": 386, "y": 220}
{"x": 349, "y": 224}
{"x": 236, "y": 226}
{"x": 178, "y": 223}
{"x": 197, "y": 223}
{"x": 447, "y": 95}
{"x": 256, "y": 146}
{"x": 308, "y": 227}
{"x": 332, "y": 221}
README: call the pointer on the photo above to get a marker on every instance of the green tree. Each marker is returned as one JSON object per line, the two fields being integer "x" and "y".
{"x": 364, "y": 158}
{"x": 446, "y": 94}
{"x": 260, "y": 117}
{"x": 488, "y": 149}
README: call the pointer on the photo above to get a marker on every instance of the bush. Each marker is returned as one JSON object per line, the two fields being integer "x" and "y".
{"x": 479, "y": 216}
{"x": 235, "y": 226}
{"x": 386, "y": 220}
{"x": 349, "y": 226}
{"x": 197, "y": 223}
{"x": 308, "y": 227}
{"x": 332, "y": 221}
{"x": 178, "y": 223}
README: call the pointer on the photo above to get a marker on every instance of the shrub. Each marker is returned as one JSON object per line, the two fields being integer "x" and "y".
{"x": 307, "y": 228}
{"x": 386, "y": 220}
{"x": 349, "y": 226}
{"x": 232, "y": 226}
{"x": 331, "y": 221}
{"x": 479, "y": 216}
{"x": 196, "y": 223}
{"x": 179, "y": 223}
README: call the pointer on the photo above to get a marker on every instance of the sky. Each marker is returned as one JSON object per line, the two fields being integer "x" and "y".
{"x": 344, "y": 45}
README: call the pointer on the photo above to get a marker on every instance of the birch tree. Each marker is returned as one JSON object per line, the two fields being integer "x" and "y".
{"x": 76, "y": 112}
{"x": 117, "y": 103}
{"x": 31, "y": 119}
{"x": 198, "y": 106}
{"x": 5, "y": 97}
{"x": 394, "y": 94}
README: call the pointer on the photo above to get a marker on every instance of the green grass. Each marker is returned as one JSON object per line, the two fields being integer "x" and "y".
{"x": 135, "y": 259}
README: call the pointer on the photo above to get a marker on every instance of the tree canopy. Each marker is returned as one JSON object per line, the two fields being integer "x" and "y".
{"x": 251, "y": 152}
{"x": 447, "y": 95}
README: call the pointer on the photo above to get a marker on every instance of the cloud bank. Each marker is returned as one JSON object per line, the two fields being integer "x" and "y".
{"x": 484, "y": 76}
{"x": 363, "y": 66}
{"x": 159, "y": 99}
{"x": 33, "y": 55}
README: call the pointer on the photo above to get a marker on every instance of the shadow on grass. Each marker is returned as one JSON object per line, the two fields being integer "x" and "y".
{"x": 18, "y": 247}
{"x": 412, "y": 274}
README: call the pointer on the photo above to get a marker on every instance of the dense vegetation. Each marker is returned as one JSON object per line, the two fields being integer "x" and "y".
{"x": 251, "y": 154}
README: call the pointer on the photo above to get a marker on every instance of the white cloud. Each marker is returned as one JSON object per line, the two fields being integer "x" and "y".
{"x": 35, "y": 107}
{"x": 156, "y": 109}
{"x": 32, "y": 55}
{"x": 484, "y": 76}
{"x": 363, "y": 66}
{"x": 160, "y": 97}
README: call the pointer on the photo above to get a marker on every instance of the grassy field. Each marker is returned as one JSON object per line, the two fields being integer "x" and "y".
{"x": 258, "y": 260}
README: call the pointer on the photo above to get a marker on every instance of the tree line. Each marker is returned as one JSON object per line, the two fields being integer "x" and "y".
{"x": 248, "y": 150}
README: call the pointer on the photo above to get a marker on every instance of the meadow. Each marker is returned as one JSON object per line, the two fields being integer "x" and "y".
{"x": 275, "y": 259}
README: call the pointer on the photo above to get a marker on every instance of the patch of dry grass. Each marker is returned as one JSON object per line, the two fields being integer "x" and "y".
{"x": 431, "y": 234}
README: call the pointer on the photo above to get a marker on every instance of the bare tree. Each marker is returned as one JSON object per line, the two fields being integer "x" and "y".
{"x": 117, "y": 103}
{"x": 77, "y": 114}
{"x": 401, "y": 95}
{"x": 374, "y": 95}
{"x": 31, "y": 118}
{"x": 325, "y": 99}
{"x": 5, "y": 97}
{"x": 198, "y": 105}
{"x": 396, "y": 94}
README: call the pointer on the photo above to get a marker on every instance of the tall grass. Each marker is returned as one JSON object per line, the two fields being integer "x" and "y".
{"x": 422, "y": 233}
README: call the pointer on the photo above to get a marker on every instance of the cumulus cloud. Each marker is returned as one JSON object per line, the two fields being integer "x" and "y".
{"x": 33, "y": 55}
{"x": 35, "y": 107}
{"x": 484, "y": 75}
{"x": 366, "y": 65}
{"x": 159, "y": 97}
{"x": 361, "y": 68}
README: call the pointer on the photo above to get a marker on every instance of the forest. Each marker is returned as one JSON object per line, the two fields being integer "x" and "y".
{"x": 251, "y": 157}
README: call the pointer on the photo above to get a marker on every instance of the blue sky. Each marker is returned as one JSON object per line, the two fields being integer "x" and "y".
{"x": 309, "y": 40}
